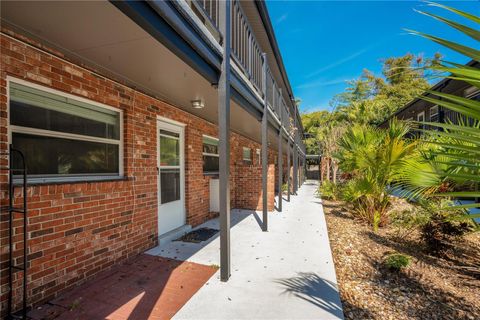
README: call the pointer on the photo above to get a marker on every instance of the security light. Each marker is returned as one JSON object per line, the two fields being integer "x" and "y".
{"x": 198, "y": 104}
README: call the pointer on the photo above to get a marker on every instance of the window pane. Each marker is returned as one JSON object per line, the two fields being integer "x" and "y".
{"x": 209, "y": 140}
{"x": 169, "y": 151}
{"x": 49, "y": 155}
{"x": 210, "y": 145}
{"x": 210, "y": 148}
{"x": 168, "y": 133}
{"x": 169, "y": 185}
{"x": 247, "y": 154}
{"x": 210, "y": 164}
{"x": 43, "y": 110}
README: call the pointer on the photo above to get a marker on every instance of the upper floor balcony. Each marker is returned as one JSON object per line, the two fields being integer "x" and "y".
{"x": 248, "y": 55}
{"x": 171, "y": 50}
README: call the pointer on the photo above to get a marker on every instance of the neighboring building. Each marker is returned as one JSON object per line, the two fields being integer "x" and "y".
{"x": 116, "y": 106}
{"x": 421, "y": 110}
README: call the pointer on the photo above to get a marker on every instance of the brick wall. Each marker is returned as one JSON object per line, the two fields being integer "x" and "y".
{"x": 78, "y": 229}
{"x": 248, "y": 180}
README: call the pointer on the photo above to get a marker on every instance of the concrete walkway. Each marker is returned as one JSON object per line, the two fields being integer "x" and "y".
{"x": 285, "y": 273}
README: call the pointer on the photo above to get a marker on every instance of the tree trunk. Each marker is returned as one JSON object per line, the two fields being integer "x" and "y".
{"x": 328, "y": 169}
{"x": 334, "y": 173}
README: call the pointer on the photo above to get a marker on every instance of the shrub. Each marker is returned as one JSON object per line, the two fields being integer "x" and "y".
{"x": 369, "y": 203}
{"x": 284, "y": 187}
{"x": 328, "y": 190}
{"x": 397, "y": 261}
{"x": 438, "y": 222}
{"x": 374, "y": 157}
{"x": 408, "y": 220}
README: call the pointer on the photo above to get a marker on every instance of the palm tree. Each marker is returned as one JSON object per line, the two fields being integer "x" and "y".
{"x": 374, "y": 157}
{"x": 454, "y": 155}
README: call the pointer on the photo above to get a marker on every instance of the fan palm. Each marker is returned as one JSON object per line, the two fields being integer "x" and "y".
{"x": 454, "y": 156}
{"x": 374, "y": 157}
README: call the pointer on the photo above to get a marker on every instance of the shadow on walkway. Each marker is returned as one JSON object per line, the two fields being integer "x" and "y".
{"x": 312, "y": 288}
{"x": 183, "y": 251}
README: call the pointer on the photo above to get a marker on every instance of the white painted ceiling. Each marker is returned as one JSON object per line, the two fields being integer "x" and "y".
{"x": 101, "y": 37}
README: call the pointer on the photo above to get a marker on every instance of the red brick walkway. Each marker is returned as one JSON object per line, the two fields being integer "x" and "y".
{"x": 145, "y": 287}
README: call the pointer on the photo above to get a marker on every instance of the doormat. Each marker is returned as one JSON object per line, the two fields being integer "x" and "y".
{"x": 198, "y": 235}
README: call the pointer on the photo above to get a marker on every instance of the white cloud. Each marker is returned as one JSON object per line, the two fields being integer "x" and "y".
{"x": 282, "y": 18}
{"x": 338, "y": 62}
{"x": 322, "y": 83}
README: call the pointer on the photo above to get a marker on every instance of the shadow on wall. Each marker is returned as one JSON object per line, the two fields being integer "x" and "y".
{"x": 312, "y": 288}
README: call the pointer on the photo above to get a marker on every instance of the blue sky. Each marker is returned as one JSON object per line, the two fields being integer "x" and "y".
{"x": 325, "y": 43}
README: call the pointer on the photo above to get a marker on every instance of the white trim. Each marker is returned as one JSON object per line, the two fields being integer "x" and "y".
{"x": 170, "y": 121}
{"x": 211, "y": 154}
{"x": 59, "y": 134}
{"x": 61, "y": 93}
{"x": 249, "y": 159}
{"x": 186, "y": 8}
{"x": 434, "y": 114}
{"x": 180, "y": 129}
{"x": 249, "y": 83}
{"x": 421, "y": 114}
{"x": 167, "y": 136}
{"x": 170, "y": 167}
{"x": 211, "y": 137}
{"x": 471, "y": 92}
{"x": 207, "y": 153}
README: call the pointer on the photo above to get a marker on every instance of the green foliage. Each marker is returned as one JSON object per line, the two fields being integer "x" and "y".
{"x": 284, "y": 187}
{"x": 397, "y": 261}
{"x": 371, "y": 99}
{"x": 408, "y": 220}
{"x": 443, "y": 225}
{"x": 329, "y": 190}
{"x": 455, "y": 156}
{"x": 374, "y": 157}
{"x": 438, "y": 221}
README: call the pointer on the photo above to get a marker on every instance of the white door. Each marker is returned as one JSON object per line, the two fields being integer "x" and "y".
{"x": 171, "y": 179}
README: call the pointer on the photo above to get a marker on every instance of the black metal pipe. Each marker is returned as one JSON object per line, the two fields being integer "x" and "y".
{"x": 10, "y": 236}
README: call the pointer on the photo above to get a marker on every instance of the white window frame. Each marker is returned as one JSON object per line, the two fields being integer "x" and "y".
{"x": 421, "y": 114}
{"x": 471, "y": 92}
{"x": 210, "y": 154}
{"x": 435, "y": 114}
{"x": 259, "y": 154}
{"x": 57, "y": 134}
{"x": 249, "y": 159}
{"x": 206, "y": 153}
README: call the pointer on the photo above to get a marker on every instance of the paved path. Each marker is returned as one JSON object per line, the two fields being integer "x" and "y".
{"x": 285, "y": 273}
{"x": 145, "y": 287}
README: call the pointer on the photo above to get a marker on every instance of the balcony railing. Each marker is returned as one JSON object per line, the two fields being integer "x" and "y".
{"x": 210, "y": 8}
{"x": 246, "y": 53}
{"x": 245, "y": 48}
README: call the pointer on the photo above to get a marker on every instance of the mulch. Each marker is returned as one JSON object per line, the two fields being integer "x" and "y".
{"x": 446, "y": 287}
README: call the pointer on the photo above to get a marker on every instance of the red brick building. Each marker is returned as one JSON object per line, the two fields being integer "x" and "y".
{"x": 115, "y": 108}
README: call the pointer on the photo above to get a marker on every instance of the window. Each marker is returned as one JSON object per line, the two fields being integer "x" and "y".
{"x": 259, "y": 157}
{"x": 434, "y": 114}
{"x": 169, "y": 166}
{"x": 247, "y": 155}
{"x": 210, "y": 154}
{"x": 62, "y": 136}
{"x": 421, "y": 118}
